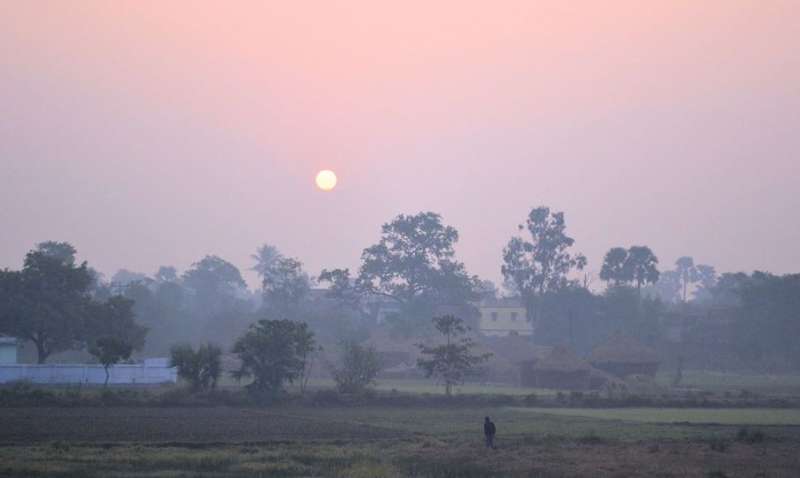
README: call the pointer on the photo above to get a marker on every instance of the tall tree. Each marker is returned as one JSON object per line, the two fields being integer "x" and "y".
{"x": 614, "y": 267}
{"x": 684, "y": 266}
{"x": 706, "y": 278}
{"x": 266, "y": 258}
{"x": 47, "y": 300}
{"x": 216, "y": 300}
{"x": 285, "y": 286}
{"x": 114, "y": 318}
{"x": 454, "y": 360}
{"x": 642, "y": 265}
{"x": 541, "y": 263}
{"x": 413, "y": 265}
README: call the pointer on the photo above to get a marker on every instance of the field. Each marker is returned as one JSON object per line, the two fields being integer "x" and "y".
{"x": 294, "y": 441}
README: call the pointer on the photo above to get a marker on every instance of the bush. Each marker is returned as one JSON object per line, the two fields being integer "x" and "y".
{"x": 201, "y": 368}
{"x": 273, "y": 352}
{"x": 360, "y": 365}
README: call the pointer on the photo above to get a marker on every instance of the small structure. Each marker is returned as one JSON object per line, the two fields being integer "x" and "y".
{"x": 561, "y": 369}
{"x": 8, "y": 349}
{"x": 622, "y": 356}
{"x": 150, "y": 372}
{"x": 503, "y": 317}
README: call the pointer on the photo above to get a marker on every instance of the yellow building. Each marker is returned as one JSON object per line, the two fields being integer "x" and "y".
{"x": 502, "y": 317}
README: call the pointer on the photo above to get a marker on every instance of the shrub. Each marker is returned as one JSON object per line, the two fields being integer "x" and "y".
{"x": 201, "y": 368}
{"x": 273, "y": 352}
{"x": 360, "y": 365}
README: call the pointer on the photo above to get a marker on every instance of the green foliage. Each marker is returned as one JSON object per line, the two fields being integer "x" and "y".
{"x": 110, "y": 351}
{"x": 115, "y": 318}
{"x": 201, "y": 367}
{"x": 46, "y": 302}
{"x": 273, "y": 352}
{"x": 413, "y": 265}
{"x": 359, "y": 368}
{"x": 637, "y": 265}
{"x": 614, "y": 269}
{"x": 541, "y": 263}
{"x": 454, "y": 360}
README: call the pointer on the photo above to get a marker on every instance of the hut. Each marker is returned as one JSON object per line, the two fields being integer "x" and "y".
{"x": 623, "y": 356}
{"x": 561, "y": 369}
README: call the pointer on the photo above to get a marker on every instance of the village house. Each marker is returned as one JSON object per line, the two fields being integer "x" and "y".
{"x": 622, "y": 356}
{"x": 503, "y": 317}
{"x": 561, "y": 369}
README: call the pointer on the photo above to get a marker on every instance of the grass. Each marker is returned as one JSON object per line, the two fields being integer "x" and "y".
{"x": 749, "y": 416}
{"x": 294, "y": 441}
{"x": 430, "y": 386}
{"x": 721, "y": 382}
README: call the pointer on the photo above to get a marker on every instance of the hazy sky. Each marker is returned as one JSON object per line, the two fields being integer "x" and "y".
{"x": 151, "y": 133}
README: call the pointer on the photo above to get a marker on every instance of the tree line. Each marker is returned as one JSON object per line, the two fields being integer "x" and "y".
{"x": 412, "y": 272}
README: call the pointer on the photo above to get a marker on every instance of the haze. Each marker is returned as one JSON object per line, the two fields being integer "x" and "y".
{"x": 148, "y": 133}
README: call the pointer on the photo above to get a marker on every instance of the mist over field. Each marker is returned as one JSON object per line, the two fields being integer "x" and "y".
{"x": 358, "y": 239}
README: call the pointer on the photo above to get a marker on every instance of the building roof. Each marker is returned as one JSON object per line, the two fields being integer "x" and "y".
{"x": 562, "y": 359}
{"x": 515, "y": 348}
{"x": 623, "y": 349}
{"x": 503, "y": 303}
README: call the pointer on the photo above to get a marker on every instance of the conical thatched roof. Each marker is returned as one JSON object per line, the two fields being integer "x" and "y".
{"x": 623, "y": 349}
{"x": 515, "y": 349}
{"x": 562, "y": 359}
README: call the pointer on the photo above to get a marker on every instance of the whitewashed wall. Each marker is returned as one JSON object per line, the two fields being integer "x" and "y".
{"x": 150, "y": 372}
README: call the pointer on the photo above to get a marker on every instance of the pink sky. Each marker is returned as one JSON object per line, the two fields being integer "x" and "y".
{"x": 151, "y": 133}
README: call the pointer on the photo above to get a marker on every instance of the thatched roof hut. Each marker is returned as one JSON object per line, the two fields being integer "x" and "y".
{"x": 561, "y": 369}
{"x": 622, "y": 355}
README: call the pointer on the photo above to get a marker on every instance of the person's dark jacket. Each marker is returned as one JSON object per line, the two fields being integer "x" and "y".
{"x": 489, "y": 429}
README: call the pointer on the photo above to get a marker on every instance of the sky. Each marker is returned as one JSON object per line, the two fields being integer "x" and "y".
{"x": 152, "y": 133}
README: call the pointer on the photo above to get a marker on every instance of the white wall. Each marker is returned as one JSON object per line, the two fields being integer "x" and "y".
{"x": 88, "y": 374}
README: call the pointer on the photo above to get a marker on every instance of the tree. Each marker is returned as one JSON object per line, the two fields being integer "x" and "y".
{"x": 359, "y": 367}
{"x": 272, "y": 353}
{"x": 706, "y": 277}
{"x": 454, "y": 360}
{"x": 216, "y": 291}
{"x": 285, "y": 286}
{"x": 166, "y": 274}
{"x": 642, "y": 265}
{"x": 266, "y": 258}
{"x": 110, "y": 351}
{"x": 684, "y": 267}
{"x": 668, "y": 287}
{"x": 615, "y": 266}
{"x": 213, "y": 277}
{"x": 201, "y": 368}
{"x": 63, "y": 252}
{"x": 115, "y": 319}
{"x": 413, "y": 265}
{"x": 542, "y": 263}
{"x": 47, "y": 300}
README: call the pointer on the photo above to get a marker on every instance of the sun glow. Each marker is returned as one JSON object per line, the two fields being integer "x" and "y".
{"x": 326, "y": 180}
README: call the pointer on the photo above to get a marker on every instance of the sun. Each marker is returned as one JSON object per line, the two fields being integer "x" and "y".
{"x": 326, "y": 180}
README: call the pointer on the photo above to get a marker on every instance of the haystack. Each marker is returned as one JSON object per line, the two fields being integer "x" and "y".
{"x": 562, "y": 369}
{"x": 622, "y": 356}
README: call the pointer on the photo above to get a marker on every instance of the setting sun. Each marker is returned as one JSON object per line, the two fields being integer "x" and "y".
{"x": 326, "y": 180}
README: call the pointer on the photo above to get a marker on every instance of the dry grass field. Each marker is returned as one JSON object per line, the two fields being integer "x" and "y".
{"x": 381, "y": 442}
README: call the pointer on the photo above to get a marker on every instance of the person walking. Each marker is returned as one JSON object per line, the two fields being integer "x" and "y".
{"x": 489, "y": 431}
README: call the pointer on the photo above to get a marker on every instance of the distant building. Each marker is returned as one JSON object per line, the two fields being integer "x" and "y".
{"x": 622, "y": 356}
{"x": 8, "y": 349}
{"x": 503, "y": 317}
{"x": 561, "y": 369}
